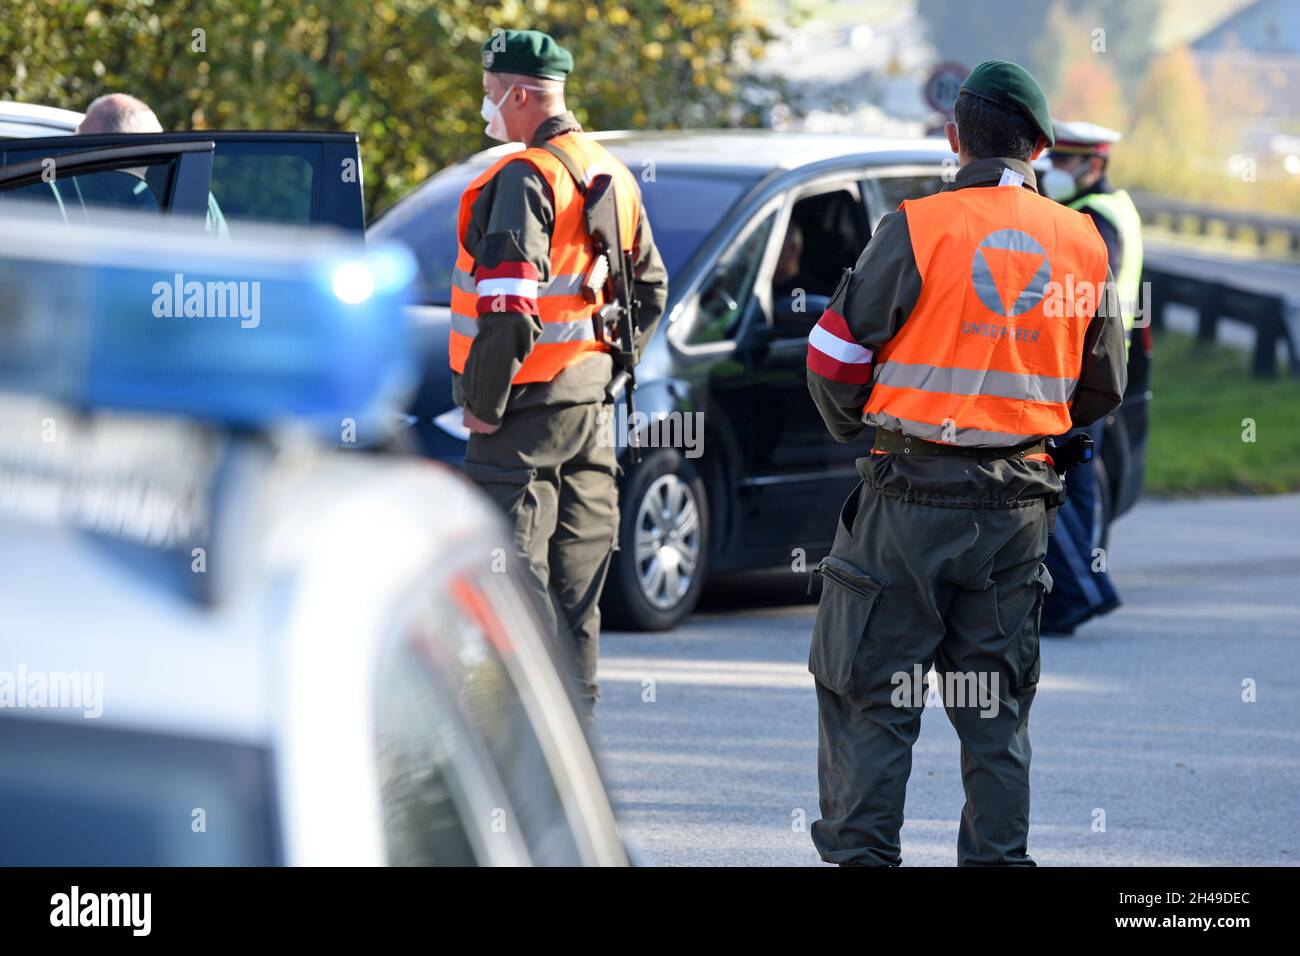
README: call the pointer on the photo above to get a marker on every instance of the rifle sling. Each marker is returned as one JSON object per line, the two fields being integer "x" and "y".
{"x": 567, "y": 162}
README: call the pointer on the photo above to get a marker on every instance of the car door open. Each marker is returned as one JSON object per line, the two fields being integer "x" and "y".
{"x": 823, "y": 233}
{"x": 286, "y": 177}
{"x": 158, "y": 177}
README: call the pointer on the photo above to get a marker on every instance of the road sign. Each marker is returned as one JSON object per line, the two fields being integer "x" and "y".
{"x": 942, "y": 85}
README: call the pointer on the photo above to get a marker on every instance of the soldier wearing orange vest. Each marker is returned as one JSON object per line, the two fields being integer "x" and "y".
{"x": 528, "y": 368}
{"x": 977, "y": 323}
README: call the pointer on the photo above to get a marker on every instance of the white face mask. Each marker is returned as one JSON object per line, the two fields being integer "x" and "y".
{"x": 1059, "y": 184}
{"x": 491, "y": 112}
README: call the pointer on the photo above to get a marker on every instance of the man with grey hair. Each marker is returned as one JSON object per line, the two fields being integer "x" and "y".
{"x": 123, "y": 113}
{"x": 119, "y": 113}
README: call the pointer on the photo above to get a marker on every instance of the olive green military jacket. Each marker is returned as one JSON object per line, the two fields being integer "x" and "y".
{"x": 511, "y": 221}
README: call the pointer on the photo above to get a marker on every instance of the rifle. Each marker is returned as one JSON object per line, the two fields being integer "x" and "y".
{"x": 610, "y": 280}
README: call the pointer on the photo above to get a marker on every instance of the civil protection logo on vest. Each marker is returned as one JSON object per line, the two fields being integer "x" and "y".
{"x": 1010, "y": 272}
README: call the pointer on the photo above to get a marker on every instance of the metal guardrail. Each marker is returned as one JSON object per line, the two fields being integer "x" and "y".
{"x": 1217, "y": 291}
{"x": 1221, "y": 288}
{"x": 1194, "y": 219}
{"x": 1215, "y": 300}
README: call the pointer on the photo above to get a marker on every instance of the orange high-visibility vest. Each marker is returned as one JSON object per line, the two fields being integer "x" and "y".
{"x": 568, "y": 334}
{"x": 991, "y": 353}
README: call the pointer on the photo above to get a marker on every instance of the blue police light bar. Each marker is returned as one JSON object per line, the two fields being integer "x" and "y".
{"x": 138, "y": 314}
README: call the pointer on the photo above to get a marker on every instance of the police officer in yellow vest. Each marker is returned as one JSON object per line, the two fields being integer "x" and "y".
{"x": 528, "y": 368}
{"x": 1083, "y": 589}
{"x": 1078, "y": 178}
{"x": 977, "y": 323}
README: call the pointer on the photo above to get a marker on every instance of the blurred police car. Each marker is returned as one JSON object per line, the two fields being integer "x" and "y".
{"x": 229, "y": 638}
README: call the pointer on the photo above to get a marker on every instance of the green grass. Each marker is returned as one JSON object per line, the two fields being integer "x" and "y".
{"x": 1202, "y": 395}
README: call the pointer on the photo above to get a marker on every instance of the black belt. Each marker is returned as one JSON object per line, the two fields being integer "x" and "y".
{"x": 896, "y": 443}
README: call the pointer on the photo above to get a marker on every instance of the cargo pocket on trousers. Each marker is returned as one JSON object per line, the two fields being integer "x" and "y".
{"x": 840, "y": 645}
{"x": 510, "y": 487}
{"x": 1030, "y": 646}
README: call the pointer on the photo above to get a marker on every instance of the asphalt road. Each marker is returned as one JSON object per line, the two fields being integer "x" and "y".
{"x": 1139, "y": 715}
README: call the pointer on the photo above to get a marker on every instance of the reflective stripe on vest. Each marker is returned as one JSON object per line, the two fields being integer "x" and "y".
{"x": 990, "y": 355}
{"x": 1117, "y": 209}
{"x": 568, "y": 334}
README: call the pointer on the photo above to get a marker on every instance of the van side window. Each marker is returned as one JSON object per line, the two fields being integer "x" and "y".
{"x": 266, "y": 182}
{"x": 730, "y": 287}
{"x": 826, "y": 234}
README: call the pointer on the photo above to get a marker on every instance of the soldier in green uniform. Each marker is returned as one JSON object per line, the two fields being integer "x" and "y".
{"x": 940, "y": 338}
{"x": 530, "y": 379}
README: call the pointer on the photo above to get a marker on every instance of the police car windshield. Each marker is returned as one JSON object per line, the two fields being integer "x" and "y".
{"x": 95, "y": 795}
{"x": 683, "y": 208}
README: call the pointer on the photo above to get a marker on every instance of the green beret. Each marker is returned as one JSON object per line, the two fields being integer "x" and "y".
{"x": 526, "y": 52}
{"x": 1013, "y": 87}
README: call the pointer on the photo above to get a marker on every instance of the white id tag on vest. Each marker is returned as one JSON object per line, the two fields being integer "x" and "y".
{"x": 1011, "y": 178}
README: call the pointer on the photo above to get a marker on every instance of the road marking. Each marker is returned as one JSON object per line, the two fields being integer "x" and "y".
{"x": 773, "y": 674}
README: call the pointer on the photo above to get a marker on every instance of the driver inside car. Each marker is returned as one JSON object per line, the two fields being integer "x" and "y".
{"x": 793, "y": 306}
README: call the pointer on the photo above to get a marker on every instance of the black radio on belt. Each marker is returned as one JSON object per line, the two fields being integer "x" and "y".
{"x": 1070, "y": 453}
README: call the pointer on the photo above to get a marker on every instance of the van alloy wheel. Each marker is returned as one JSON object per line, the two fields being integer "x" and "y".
{"x": 667, "y": 541}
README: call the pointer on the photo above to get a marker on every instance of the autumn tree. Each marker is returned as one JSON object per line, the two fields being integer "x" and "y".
{"x": 404, "y": 74}
{"x": 1168, "y": 134}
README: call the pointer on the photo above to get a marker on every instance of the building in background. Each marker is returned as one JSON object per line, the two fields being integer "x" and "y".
{"x": 1253, "y": 57}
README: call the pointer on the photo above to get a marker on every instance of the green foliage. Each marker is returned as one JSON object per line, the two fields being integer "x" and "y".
{"x": 1202, "y": 396}
{"x": 403, "y": 74}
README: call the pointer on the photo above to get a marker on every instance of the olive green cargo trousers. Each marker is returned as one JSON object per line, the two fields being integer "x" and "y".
{"x": 549, "y": 471}
{"x": 937, "y": 562}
